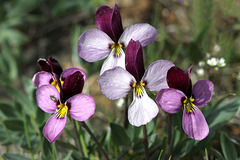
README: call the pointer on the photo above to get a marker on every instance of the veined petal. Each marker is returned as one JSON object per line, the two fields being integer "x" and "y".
{"x": 178, "y": 79}
{"x": 82, "y": 107}
{"x": 113, "y": 61}
{"x": 54, "y": 128}
{"x": 170, "y": 100}
{"x": 194, "y": 124}
{"x": 94, "y": 45}
{"x": 47, "y": 97}
{"x": 116, "y": 23}
{"x": 104, "y": 19}
{"x": 73, "y": 84}
{"x": 115, "y": 83}
{"x": 144, "y": 33}
{"x": 41, "y": 78}
{"x": 72, "y": 70}
{"x": 142, "y": 110}
{"x": 55, "y": 66}
{"x": 202, "y": 92}
{"x": 134, "y": 59}
{"x": 156, "y": 75}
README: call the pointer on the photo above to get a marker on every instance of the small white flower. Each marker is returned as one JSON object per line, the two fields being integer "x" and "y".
{"x": 221, "y": 62}
{"x": 120, "y": 102}
{"x": 201, "y": 63}
{"x": 212, "y": 62}
{"x": 200, "y": 71}
{"x": 216, "y": 48}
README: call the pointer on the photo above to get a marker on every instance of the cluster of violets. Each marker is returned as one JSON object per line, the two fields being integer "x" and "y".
{"x": 59, "y": 91}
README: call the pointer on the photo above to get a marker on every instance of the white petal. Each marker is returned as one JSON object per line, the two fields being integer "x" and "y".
{"x": 113, "y": 61}
{"x": 142, "y": 110}
{"x": 156, "y": 75}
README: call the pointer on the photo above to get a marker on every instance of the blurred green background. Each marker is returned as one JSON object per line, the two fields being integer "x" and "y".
{"x": 189, "y": 32}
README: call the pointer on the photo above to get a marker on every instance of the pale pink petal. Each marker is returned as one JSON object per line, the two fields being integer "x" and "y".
{"x": 41, "y": 78}
{"x": 170, "y": 100}
{"x": 115, "y": 83}
{"x": 72, "y": 70}
{"x": 202, "y": 92}
{"x": 142, "y": 109}
{"x": 144, "y": 33}
{"x": 82, "y": 107}
{"x": 94, "y": 45}
{"x": 194, "y": 124}
{"x": 156, "y": 75}
{"x": 47, "y": 97}
{"x": 54, "y": 128}
{"x": 113, "y": 61}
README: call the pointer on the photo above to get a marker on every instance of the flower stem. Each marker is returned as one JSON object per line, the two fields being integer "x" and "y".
{"x": 77, "y": 136}
{"x": 83, "y": 144}
{"x": 145, "y": 142}
{"x": 95, "y": 139}
{"x": 169, "y": 135}
{"x": 126, "y": 112}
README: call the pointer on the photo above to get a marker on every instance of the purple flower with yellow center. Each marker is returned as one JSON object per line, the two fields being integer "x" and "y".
{"x": 95, "y": 44}
{"x": 118, "y": 82}
{"x": 180, "y": 93}
{"x": 62, "y": 97}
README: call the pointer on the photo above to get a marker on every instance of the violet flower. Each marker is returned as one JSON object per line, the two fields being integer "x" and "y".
{"x": 62, "y": 97}
{"x": 180, "y": 93}
{"x": 95, "y": 44}
{"x": 118, "y": 82}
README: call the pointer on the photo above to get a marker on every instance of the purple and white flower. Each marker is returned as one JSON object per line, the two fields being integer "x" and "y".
{"x": 118, "y": 82}
{"x": 110, "y": 39}
{"x": 180, "y": 93}
{"x": 60, "y": 96}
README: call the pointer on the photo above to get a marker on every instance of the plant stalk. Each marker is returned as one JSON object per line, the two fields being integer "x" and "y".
{"x": 145, "y": 142}
{"x": 169, "y": 136}
{"x": 77, "y": 136}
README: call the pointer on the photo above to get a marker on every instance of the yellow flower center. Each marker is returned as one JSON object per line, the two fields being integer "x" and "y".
{"x": 54, "y": 83}
{"x": 117, "y": 47}
{"x": 138, "y": 88}
{"x": 188, "y": 104}
{"x": 62, "y": 110}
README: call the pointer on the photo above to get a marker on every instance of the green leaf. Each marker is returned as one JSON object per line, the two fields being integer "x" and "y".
{"x": 7, "y": 109}
{"x": 14, "y": 124}
{"x": 9, "y": 156}
{"x": 68, "y": 155}
{"x": 119, "y": 135}
{"x": 217, "y": 154}
{"x": 229, "y": 151}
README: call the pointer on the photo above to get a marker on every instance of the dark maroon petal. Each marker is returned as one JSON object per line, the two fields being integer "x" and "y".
{"x": 116, "y": 23}
{"x": 178, "y": 79}
{"x": 73, "y": 85}
{"x": 103, "y": 20}
{"x": 43, "y": 63}
{"x": 134, "y": 59}
{"x": 56, "y": 67}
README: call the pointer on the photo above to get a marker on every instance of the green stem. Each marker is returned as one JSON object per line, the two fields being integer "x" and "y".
{"x": 169, "y": 136}
{"x": 145, "y": 142}
{"x": 54, "y": 151}
{"x": 83, "y": 144}
{"x": 126, "y": 112}
{"x": 77, "y": 136}
{"x": 95, "y": 139}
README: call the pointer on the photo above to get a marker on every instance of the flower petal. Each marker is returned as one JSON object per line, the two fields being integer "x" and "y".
{"x": 104, "y": 19}
{"x": 116, "y": 23}
{"x": 41, "y": 78}
{"x": 144, "y": 33}
{"x": 50, "y": 65}
{"x": 72, "y": 70}
{"x": 134, "y": 59}
{"x": 54, "y": 128}
{"x": 178, "y": 79}
{"x": 113, "y": 61}
{"x": 194, "y": 124}
{"x": 73, "y": 84}
{"x": 47, "y": 97}
{"x": 202, "y": 92}
{"x": 94, "y": 45}
{"x": 115, "y": 83}
{"x": 170, "y": 100}
{"x": 82, "y": 107}
{"x": 156, "y": 75}
{"x": 142, "y": 110}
